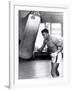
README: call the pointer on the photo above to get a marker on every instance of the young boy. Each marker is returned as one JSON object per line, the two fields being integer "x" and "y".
{"x": 54, "y": 47}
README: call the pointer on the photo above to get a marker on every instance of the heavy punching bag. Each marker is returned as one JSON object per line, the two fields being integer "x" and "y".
{"x": 27, "y": 44}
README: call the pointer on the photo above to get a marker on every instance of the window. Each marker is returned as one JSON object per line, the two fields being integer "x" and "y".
{"x": 56, "y": 30}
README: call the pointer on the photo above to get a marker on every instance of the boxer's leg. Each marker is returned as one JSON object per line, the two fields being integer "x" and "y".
{"x": 60, "y": 61}
{"x": 30, "y": 33}
{"x": 54, "y": 67}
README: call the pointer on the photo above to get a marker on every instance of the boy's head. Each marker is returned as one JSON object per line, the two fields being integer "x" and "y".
{"x": 45, "y": 33}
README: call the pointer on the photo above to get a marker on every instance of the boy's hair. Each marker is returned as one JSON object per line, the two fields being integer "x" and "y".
{"x": 45, "y": 30}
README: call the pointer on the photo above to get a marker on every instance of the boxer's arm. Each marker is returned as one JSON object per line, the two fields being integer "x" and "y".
{"x": 59, "y": 44}
{"x": 60, "y": 49}
{"x": 42, "y": 47}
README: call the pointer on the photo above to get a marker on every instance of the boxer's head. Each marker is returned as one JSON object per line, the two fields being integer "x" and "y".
{"x": 45, "y": 33}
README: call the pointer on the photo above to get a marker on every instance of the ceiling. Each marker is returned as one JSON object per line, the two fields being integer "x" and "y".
{"x": 52, "y": 17}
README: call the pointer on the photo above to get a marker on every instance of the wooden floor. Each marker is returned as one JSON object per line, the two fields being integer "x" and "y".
{"x": 34, "y": 69}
